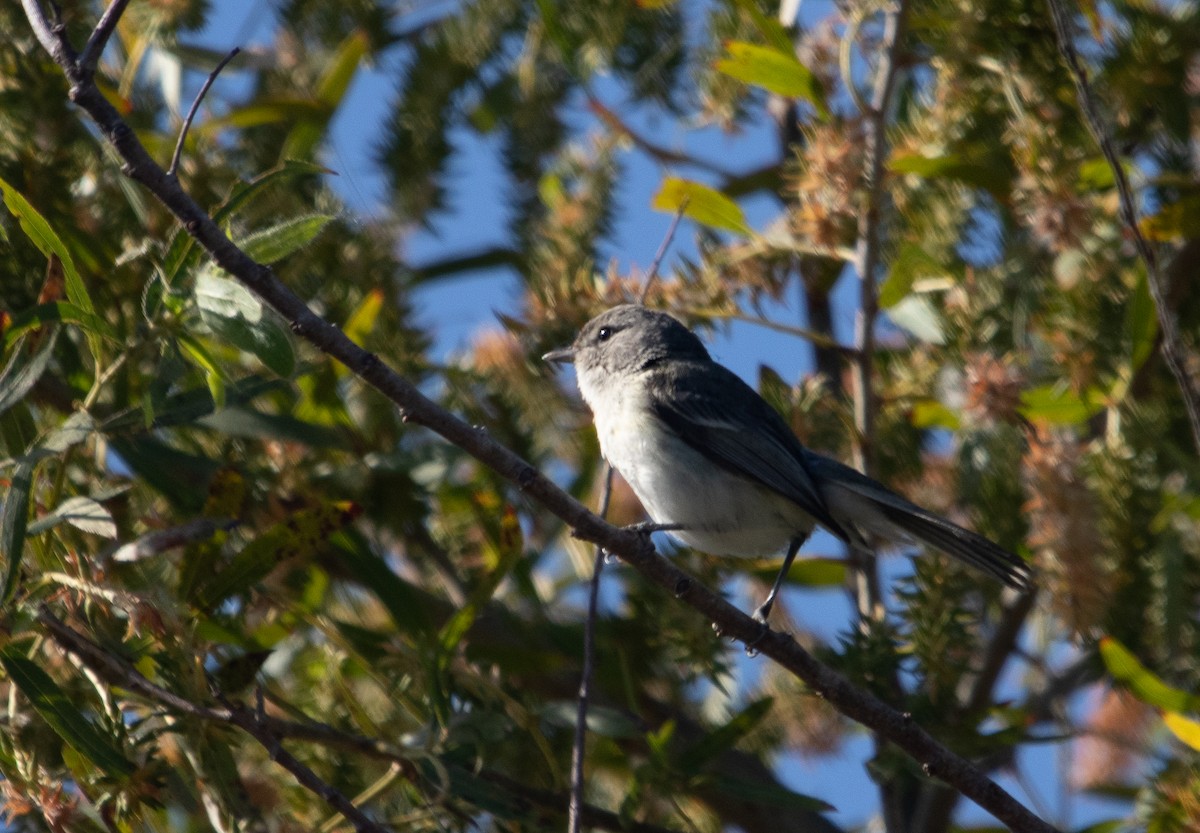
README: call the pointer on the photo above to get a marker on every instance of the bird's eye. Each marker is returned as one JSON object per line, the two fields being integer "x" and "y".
{"x": 604, "y": 333}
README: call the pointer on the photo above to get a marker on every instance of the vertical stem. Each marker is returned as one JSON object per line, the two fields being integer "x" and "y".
{"x": 870, "y": 236}
{"x": 575, "y": 808}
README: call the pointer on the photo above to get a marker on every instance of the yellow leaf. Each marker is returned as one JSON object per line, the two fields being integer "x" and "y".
{"x": 705, "y": 205}
{"x": 1184, "y": 728}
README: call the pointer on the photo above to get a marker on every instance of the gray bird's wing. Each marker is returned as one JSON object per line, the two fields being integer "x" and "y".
{"x": 723, "y": 418}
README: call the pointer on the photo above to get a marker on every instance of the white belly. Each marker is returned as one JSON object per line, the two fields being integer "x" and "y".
{"x": 721, "y": 513}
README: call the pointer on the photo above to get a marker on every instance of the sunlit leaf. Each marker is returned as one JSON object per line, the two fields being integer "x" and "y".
{"x": 1184, "y": 728}
{"x": 238, "y": 316}
{"x": 1059, "y": 405}
{"x": 701, "y": 203}
{"x": 775, "y": 70}
{"x": 1145, "y": 685}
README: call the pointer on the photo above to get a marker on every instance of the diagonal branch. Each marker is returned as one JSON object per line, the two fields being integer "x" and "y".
{"x": 1169, "y": 344}
{"x": 121, "y": 674}
{"x": 635, "y": 549}
{"x": 90, "y": 57}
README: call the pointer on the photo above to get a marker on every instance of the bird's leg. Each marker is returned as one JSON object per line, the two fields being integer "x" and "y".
{"x": 764, "y": 609}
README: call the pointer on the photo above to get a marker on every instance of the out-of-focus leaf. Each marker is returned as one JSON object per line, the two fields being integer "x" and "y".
{"x": 809, "y": 572}
{"x": 606, "y": 722}
{"x": 769, "y": 28}
{"x": 181, "y": 477}
{"x": 282, "y": 239}
{"x": 770, "y": 794}
{"x": 961, "y": 166}
{"x": 22, "y": 372}
{"x": 331, "y": 89}
{"x": 775, "y": 70}
{"x": 214, "y": 375}
{"x": 929, "y": 413}
{"x": 244, "y": 422}
{"x": 1141, "y": 323}
{"x": 1179, "y": 220}
{"x": 236, "y": 315}
{"x": 14, "y": 516}
{"x": 56, "y": 312}
{"x": 296, "y": 537}
{"x": 1057, "y": 405}
{"x": 1145, "y": 685}
{"x": 62, "y": 715}
{"x": 80, "y": 512}
{"x": 1184, "y": 728}
{"x": 361, "y": 322}
{"x": 719, "y": 740}
{"x": 911, "y": 264}
{"x": 402, "y": 602}
{"x": 918, "y": 317}
{"x": 701, "y": 203}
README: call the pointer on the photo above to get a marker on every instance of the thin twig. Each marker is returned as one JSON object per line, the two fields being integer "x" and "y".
{"x": 90, "y": 57}
{"x": 632, "y": 547}
{"x": 574, "y": 809}
{"x": 1169, "y": 344}
{"x": 187, "y": 122}
{"x": 662, "y": 250}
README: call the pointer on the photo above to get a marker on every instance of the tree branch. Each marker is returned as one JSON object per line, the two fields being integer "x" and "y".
{"x": 1169, "y": 343}
{"x": 119, "y": 673}
{"x": 90, "y": 57}
{"x": 637, "y": 550}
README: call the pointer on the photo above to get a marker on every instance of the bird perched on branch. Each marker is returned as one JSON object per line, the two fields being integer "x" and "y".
{"x": 716, "y": 466}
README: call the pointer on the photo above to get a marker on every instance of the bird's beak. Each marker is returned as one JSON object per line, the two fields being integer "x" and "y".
{"x": 563, "y": 356}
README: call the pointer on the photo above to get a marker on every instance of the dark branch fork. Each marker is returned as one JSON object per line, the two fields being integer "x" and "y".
{"x": 635, "y": 549}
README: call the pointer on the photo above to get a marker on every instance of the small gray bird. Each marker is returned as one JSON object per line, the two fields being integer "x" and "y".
{"x": 715, "y": 465}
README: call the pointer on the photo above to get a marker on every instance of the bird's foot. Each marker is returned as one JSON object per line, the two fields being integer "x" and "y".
{"x": 648, "y": 528}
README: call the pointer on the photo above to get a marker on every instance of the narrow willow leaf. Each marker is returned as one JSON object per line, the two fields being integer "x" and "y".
{"x": 62, "y": 715}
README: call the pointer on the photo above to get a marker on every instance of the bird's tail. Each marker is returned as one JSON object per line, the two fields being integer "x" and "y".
{"x": 859, "y": 503}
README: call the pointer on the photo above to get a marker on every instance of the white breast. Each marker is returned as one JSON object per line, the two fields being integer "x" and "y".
{"x": 722, "y": 513}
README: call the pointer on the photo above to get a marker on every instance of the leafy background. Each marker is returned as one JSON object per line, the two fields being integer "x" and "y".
{"x": 495, "y": 166}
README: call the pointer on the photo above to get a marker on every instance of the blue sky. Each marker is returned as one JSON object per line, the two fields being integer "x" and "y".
{"x": 476, "y": 217}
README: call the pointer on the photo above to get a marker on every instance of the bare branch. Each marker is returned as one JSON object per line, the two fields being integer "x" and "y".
{"x": 1169, "y": 342}
{"x": 90, "y": 57}
{"x": 187, "y": 122}
{"x": 635, "y": 549}
{"x": 574, "y": 812}
{"x": 660, "y": 254}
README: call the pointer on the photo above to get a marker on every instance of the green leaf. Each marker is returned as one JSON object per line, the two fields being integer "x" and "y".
{"x": 772, "y": 31}
{"x": 775, "y": 70}
{"x": 278, "y": 241}
{"x": 965, "y": 166}
{"x": 929, "y": 413}
{"x": 1058, "y": 405}
{"x": 407, "y": 607}
{"x": 80, "y": 512}
{"x": 912, "y": 263}
{"x": 1145, "y": 685}
{"x": 773, "y": 795}
{"x": 184, "y": 252}
{"x": 22, "y": 372}
{"x": 1141, "y": 323}
{"x": 602, "y": 721}
{"x": 809, "y": 572}
{"x": 48, "y": 242}
{"x": 61, "y": 714}
{"x": 214, "y": 376}
{"x": 302, "y": 141}
{"x": 703, "y": 204}
{"x": 56, "y": 312}
{"x": 236, "y": 315}
{"x": 14, "y": 515}
{"x": 719, "y": 740}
